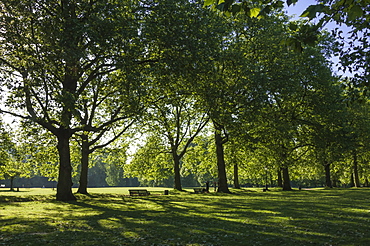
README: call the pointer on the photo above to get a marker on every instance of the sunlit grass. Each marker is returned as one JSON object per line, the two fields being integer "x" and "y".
{"x": 247, "y": 217}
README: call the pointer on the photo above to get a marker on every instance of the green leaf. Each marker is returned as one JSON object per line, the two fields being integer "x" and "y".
{"x": 209, "y": 2}
{"x": 221, "y": 6}
{"x": 293, "y": 26}
{"x": 355, "y": 12}
{"x": 254, "y": 12}
{"x": 265, "y": 11}
{"x": 227, "y": 13}
{"x": 290, "y": 2}
{"x": 312, "y": 11}
{"x": 278, "y": 4}
{"x": 235, "y": 8}
{"x": 228, "y": 4}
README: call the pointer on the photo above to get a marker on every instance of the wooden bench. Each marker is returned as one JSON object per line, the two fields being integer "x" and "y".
{"x": 139, "y": 192}
{"x": 198, "y": 190}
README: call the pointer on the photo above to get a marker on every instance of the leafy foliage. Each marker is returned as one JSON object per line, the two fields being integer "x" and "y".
{"x": 151, "y": 162}
{"x": 88, "y": 71}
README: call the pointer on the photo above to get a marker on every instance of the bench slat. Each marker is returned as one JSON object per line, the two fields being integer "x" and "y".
{"x": 139, "y": 193}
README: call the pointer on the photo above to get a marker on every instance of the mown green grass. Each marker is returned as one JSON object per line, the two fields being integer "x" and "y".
{"x": 246, "y": 217}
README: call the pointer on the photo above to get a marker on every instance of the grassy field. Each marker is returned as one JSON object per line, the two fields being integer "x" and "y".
{"x": 246, "y": 217}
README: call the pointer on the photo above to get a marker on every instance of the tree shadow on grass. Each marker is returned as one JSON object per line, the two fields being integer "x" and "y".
{"x": 276, "y": 218}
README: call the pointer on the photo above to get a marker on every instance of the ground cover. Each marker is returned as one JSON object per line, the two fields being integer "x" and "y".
{"x": 246, "y": 217}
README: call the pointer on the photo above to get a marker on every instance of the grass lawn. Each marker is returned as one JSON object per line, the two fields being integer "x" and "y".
{"x": 247, "y": 217}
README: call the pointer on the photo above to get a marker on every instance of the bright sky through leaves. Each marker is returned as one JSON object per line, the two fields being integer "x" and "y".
{"x": 296, "y": 10}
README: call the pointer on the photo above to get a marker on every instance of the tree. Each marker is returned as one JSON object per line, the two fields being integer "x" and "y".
{"x": 87, "y": 147}
{"x": 201, "y": 158}
{"x": 287, "y": 94}
{"x": 14, "y": 160}
{"x": 353, "y": 48}
{"x": 52, "y": 51}
{"x": 356, "y": 105}
{"x": 221, "y": 137}
{"x": 242, "y": 160}
{"x": 188, "y": 42}
{"x": 329, "y": 132}
{"x": 110, "y": 112}
{"x": 177, "y": 120}
{"x": 5, "y": 144}
{"x": 151, "y": 163}
{"x": 39, "y": 145}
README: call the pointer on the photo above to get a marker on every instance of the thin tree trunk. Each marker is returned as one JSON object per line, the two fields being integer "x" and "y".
{"x": 352, "y": 181}
{"x": 64, "y": 186}
{"x": 334, "y": 182}
{"x": 236, "y": 177}
{"x": 279, "y": 178}
{"x": 286, "y": 179}
{"x": 177, "y": 181}
{"x": 82, "y": 189}
{"x": 327, "y": 176}
{"x": 271, "y": 179}
{"x": 221, "y": 166}
{"x": 12, "y": 183}
{"x": 356, "y": 177}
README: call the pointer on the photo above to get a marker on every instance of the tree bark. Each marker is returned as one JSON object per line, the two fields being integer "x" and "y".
{"x": 176, "y": 163}
{"x": 11, "y": 183}
{"x": 221, "y": 166}
{"x": 352, "y": 181}
{"x": 327, "y": 176}
{"x": 82, "y": 189}
{"x": 64, "y": 186}
{"x": 356, "y": 177}
{"x": 286, "y": 179}
{"x": 334, "y": 182}
{"x": 236, "y": 177}
{"x": 279, "y": 178}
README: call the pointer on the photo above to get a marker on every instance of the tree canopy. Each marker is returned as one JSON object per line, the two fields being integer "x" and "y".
{"x": 214, "y": 97}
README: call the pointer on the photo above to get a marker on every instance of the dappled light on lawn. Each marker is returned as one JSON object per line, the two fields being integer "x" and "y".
{"x": 248, "y": 217}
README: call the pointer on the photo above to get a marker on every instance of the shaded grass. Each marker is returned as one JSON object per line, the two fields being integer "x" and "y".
{"x": 314, "y": 217}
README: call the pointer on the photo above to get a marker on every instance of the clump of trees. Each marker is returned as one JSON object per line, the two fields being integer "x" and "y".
{"x": 214, "y": 97}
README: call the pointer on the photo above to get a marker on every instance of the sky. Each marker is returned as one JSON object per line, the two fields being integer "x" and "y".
{"x": 297, "y": 9}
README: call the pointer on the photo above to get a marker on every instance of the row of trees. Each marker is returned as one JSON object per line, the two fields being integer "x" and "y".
{"x": 90, "y": 73}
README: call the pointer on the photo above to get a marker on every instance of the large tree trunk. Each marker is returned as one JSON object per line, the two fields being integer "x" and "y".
{"x": 327, "y": 176}
{"x": 286, "y": 179}
{"x": 64, "y": 186}
{"x": 177, "y": 181}
{"x": 356, "y": 177}
{"x": 82, "y": 189}
{"x": 279, "y": 178}
{"x": 236, "y": 177}
{"x": 221, "y": 166}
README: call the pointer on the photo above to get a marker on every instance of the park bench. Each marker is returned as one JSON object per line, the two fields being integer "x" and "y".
{"x": 139, "y": 193}
{"x": 198, "y": 190}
